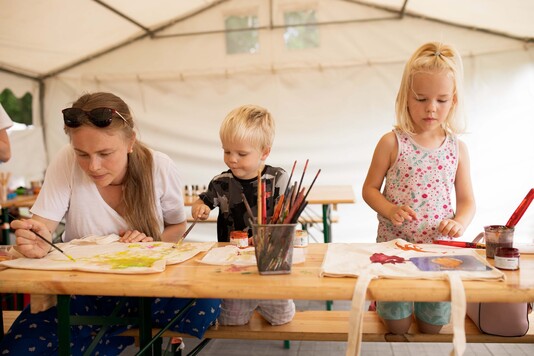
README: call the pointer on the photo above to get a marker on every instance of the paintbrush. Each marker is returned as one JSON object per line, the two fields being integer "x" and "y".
{"x": 48, "y": 242}
{"x": 303, "y": 173}
{"x": 311, "y": 185}
{"x": 518, "y": 213}
{"x": 289, "y": 180}
{"x": 185, "y": 233}
{"x": 249, "y": 210}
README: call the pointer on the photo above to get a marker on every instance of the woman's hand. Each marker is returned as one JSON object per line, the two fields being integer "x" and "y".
{"x": 134, "y": 236}
{"x": 451, "y": 228}
{"x": 399, "y": 214}
{"x": 28, "y": 243}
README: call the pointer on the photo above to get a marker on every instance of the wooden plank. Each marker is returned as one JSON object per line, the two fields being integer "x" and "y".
{"x": 322, "y": 325}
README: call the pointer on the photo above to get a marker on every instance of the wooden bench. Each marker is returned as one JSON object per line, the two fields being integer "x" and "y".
{"x": 9, "y": 317}
{"x": 323, "y": 325}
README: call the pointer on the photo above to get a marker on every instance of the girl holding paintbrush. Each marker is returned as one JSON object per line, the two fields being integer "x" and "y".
{"x": 247, "y": 135}
{"x": 104, "y": 182}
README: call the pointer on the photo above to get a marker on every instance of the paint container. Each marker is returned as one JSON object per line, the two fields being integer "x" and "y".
{"x": 274, "y": 247}
{"x": 507, "y": 258}
{"x": 239, "y": 238}
{"x": 301, "y": 238}
{"x": 497, "y": 236}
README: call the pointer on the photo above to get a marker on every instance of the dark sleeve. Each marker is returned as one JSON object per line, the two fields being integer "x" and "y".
{"x": 208, "y": 197}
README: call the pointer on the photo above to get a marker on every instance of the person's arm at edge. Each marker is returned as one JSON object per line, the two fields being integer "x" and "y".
{"x": 5, "y": 146}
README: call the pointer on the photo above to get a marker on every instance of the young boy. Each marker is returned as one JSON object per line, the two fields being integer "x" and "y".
{"x": 247, "y": 135}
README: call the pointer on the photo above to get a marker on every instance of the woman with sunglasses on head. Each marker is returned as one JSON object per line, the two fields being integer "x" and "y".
{"x": 104, "y": 182}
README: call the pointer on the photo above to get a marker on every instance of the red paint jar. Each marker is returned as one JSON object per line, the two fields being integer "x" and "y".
{"x": 239, "y": 238}
{"x": 507, "y": 258}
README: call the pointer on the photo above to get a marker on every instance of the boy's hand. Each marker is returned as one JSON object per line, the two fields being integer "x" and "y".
{"x": 200, "y": 211}
{"x": 451, "y": 228}
{"x": 398, "y": 214}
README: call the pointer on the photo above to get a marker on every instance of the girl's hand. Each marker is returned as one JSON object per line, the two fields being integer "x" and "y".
{"x": 134, "y": 236}
{"x": 29, "y": 244}
{"x": 451, "y": 228}
{"x": 399, "y": 214}
{"x": 200, "y": 211}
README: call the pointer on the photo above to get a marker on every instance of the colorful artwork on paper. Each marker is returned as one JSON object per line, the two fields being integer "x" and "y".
{"x": 233, "y": 255}
{"x": 449, "y": 263}
{"x": 105, "y": 254}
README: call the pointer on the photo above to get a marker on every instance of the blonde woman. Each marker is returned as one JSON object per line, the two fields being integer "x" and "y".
{"x": 104, "y": 182}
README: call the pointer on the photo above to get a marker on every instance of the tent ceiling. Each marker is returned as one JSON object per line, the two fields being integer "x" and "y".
{"x": 40, "y": 38}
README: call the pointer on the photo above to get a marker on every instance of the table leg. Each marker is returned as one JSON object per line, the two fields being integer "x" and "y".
{"x": 145, "y": 324}
{"x": 327, "y": 226}
{"x": 327, "y": 231}
{"x": 63, "y": 325}
{"x": 5, "y": 226}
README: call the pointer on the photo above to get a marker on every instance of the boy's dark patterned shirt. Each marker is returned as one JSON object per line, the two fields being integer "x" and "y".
{"x": 224, "y": 192}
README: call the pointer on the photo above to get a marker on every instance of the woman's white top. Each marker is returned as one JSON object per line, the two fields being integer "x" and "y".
{"x": 69, "y": 193}
{"x": 5, "y": 120}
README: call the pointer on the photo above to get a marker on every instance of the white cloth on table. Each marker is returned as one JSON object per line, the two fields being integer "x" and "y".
{"x": 400, "y": 259}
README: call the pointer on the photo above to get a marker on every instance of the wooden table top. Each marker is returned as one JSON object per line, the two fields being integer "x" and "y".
{"x": 320, "y": 194}
{"x": 193, "y": 279}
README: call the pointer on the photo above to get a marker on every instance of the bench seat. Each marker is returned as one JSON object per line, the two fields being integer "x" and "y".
{"x": 323, "y": 325}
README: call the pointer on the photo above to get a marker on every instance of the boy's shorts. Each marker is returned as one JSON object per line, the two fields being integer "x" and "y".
{"x": 434, "y": 313}
{"x": 239, "y": 311}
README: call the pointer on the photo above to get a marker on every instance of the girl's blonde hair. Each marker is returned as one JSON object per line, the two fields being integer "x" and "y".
{"x": 432, "y": 57}
{"x": 138, "y": 185}
{"x": 250, "y": 123}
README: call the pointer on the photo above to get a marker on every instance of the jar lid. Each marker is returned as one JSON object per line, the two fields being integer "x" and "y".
{"x": 238, "y": 235}
{"x": 506, "y": 252}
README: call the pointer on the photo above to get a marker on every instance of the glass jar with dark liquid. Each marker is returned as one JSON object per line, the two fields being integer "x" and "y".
{"x": 497, "y": 236}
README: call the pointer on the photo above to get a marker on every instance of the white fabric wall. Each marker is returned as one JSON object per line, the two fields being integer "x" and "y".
{"x": 28, "y": 157}
{"x": 331, "y": 105}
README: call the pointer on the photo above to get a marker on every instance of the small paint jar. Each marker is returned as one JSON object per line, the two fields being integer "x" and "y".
{"x": 300, "y": 239}
{"x": 239, "y": 238}
{"x": 507, "y": 258}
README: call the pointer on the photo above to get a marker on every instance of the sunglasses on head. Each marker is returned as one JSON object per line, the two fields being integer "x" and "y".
{"x": 100, "y": 117}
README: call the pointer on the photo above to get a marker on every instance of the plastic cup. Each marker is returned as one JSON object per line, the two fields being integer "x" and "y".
{"x": 274, "y": 247}
{"x": 497, "y": 236}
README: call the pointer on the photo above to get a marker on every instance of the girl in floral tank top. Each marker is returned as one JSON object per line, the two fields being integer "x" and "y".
{"x": 424, "y": 179}
{"x": 420, "y": 165}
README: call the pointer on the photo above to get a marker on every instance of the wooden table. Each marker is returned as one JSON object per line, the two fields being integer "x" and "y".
{"x": 192, "y": 279}
{"x": 329, "y": 196}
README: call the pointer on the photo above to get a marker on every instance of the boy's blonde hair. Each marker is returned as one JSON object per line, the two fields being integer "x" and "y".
{"x": 250, "y": 123}
{"x": 432, "y": 57}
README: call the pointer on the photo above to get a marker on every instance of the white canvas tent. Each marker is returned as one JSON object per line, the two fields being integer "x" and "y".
{"x": 168, "y": 60}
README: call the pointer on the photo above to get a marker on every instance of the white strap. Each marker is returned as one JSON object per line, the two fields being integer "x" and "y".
{"x": 458, "y": 310}
{"x": 357, "y": 312}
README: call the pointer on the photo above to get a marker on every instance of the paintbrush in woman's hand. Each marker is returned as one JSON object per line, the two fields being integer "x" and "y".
{"x": 48, "y": 242}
